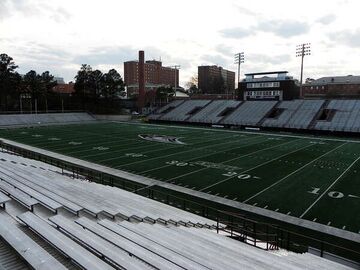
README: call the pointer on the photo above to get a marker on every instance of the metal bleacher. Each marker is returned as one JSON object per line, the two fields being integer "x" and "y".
{"x": 249, "y": 113}
{"x": 32, "y": 253}
{"x": 158, "y": 113}
{"x": 345, "y": 118}
{"x": 212, "y": 112}
{"x": 97, "y": 230}
{"x": 63, "y": 192}
{"x": 294, "y": 114}
{"x": 289, "y": 108}
{"x": 74, "y": 251}
{"x": 46, "y": 118}
{"x": 184, "y": 110}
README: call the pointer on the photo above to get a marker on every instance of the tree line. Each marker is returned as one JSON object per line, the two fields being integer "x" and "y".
{"x": 33, "y": 91}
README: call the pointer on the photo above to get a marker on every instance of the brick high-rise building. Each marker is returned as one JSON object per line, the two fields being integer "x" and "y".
{"x": 216, "y": 80}
{"x": 155, "y": 74}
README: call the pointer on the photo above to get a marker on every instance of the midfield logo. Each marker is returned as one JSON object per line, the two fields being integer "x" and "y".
{"x": 161, "y": 138}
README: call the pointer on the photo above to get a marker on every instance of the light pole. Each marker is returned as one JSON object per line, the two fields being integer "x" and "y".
{"x": 301, "y": 51}
{"x": 239, "y": 59}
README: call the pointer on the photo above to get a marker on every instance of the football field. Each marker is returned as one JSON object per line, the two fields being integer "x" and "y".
{"x": 313, "y": 178}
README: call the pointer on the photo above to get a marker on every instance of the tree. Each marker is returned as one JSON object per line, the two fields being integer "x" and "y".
{"x": 193, "y": 81}
{"x": 113, "y": 84}
{"x": 82, "y": 84}
{"x": 163, "y": 93}
{"x": 10, "y": 80}
{"x": 47, "y": 85}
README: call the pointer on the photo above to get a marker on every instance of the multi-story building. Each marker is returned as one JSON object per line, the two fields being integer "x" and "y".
{"x": 155, "y": 75}
{"x": 336, "y": 86}
{"x": 216, "y": 80}
{"x": 268, "y": 86}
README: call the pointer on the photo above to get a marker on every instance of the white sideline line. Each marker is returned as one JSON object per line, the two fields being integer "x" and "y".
{"x": 259, "y": 165}
{"x": 287, "y": 176}
{"x": 333, "y": 183}
{"x": 247, "y": 132}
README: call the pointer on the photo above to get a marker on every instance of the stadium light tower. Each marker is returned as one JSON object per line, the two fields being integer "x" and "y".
{"x": 239, "y": 59}
{"x": 301, "y": 51}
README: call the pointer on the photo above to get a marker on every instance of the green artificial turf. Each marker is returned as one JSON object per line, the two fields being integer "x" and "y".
{"x": 313, "y": 178}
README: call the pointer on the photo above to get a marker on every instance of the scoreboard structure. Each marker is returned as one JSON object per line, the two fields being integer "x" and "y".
{"x": 275, "y": 85}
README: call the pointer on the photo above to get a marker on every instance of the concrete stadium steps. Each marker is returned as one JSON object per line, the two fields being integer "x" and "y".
{"x": 53, "y": 191}
{"x": 46, "y": 118}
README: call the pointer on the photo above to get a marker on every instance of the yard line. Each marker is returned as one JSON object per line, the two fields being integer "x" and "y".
{"x": 151, "y": 151}
{"x": 171, "y": 179}
{"x": 222, "y": 151}
{"x": 333, "y": 183}
{"x": 259, "y": 165}
{"x": 182, "y": 152}
{"x": 137, "y": 142}
{"x": 287, "y": 176}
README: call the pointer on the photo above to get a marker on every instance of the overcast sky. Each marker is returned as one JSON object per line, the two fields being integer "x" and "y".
{"x": 60, "y": 35}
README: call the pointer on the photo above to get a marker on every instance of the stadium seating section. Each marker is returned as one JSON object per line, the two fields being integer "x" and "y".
{"x": 324, "y": 115}
{"x": 53, "y": 221}
{"x": 46, "y": 118}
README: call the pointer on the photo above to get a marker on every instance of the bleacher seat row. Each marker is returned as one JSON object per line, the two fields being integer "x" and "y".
{"x": 64, "y": 228}
{"x": 46, "y": 118}
{"x": 341, "y": 115}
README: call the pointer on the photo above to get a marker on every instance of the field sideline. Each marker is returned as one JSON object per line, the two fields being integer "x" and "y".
{"x": 314, "y": 178}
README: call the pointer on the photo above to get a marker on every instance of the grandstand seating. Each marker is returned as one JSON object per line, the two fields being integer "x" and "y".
{"x": 249, "y": 113}
{"x": 213, "y": 112}
{"x": 83, "y": 196}
{"x": 104, "y": 243}
{"x": 184, "y": 110}
{"x": 295, "y": 114}
{"x": 304, "y": 114}
{"x": 158, "y": 113}
{"x": 46, "y": 118}
{"x": 26, "y": 247}
{"x": 345, "y": 118}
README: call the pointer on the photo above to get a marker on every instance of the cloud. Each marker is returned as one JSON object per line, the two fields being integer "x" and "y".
{"x": 111, "y": 55}
{"x": 235, "y": 32}
{"x": 284, "y": 29}
{"x": 29, "y": 8}
{"x": 216, "y": 59}
{"x": 279, "y": 28}
{"x": 327, "y": 19}
{"x": 225, "y": 50}
{"x": 347, "y": 38}
{"x": 267, "y": 59}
